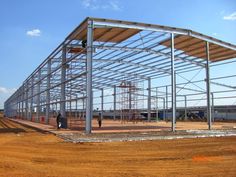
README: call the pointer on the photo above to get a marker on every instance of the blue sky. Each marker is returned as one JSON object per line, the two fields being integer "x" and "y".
{"x": 31, "y": 29}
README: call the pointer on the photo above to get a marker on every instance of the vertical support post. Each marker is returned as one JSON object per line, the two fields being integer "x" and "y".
{"x": 185, "y": 107}
{"x": 213, "y": 107}
{"x": 26, "y": 101}
{"x": 22, "y": 102}
{"x": 173, "y": 84}
{"x": 38, "y": 96}
{"x": 114, "y": 106}
{"x": 63, "y": 84}
{"x": 48, "y": 91}
{"x": 102, "y": 102}
{"x": 31, "y": 101}
{"x": 89, "y": 85}
{"x": 208, "y": 88}
{"x": 156, "y": 104}
{"x": 76, "y": 108}
{"x": 149, "y": 100}
{"x": 18, "y": 107}
{"x": 83, "y": 106}
{"x": 166, "y": 111}
{"x": 130, "y": 100}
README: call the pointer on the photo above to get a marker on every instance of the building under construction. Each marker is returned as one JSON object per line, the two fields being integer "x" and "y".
{"x": 128, "y": 71}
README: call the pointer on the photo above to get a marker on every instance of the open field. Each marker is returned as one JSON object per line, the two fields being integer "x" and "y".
{"x": 29, "y": 152}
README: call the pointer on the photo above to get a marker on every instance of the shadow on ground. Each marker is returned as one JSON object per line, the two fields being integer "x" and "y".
{"x": 7, "y": 126}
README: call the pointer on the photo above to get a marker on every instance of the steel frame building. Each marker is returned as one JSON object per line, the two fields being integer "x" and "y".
{"x": 101, "y": 53}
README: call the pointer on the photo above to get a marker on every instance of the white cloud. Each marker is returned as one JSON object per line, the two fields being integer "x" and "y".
{"x": 101, "y": 4}
{"x": 114, "y": 5}
{"x": 230, "y": 17}
{"x": 34, "y": 32}
{"x": 4, "y": 90}
{"x": 214, "y": 34}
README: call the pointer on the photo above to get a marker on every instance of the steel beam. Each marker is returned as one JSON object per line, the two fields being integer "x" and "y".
{"x": 150, "y": 51}
{"x": 100, "y": 24}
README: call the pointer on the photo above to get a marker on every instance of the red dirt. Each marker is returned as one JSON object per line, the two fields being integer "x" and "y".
{"x": 26, "y": 152}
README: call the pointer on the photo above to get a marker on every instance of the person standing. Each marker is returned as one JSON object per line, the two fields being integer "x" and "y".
{"x": 59, "y": 120}
{"x": 100, "y": 120}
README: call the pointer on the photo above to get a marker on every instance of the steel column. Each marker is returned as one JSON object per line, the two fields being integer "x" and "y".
{"x": 32, "y": 98}
{"x": 213, "y": 109}
{"x": 166, "y": 111}
{"x": 102, "y": 102}
{"x": 18, "y": 107}
{"x": 149, "y": 99}
{"x": 173, "y": 84}
{"x": 22, "y": 102}
{"x": 208, "y": 88}
{"x": 26, "y": 101}
{"x": 38, "y": 97}
{"x": 130, "y": 100}
{"x": 114, "y": 104}
{"x": 48, "y": 91}
{"x": 63, "y": 84}
{"x": 157, "y": 104}
{"x": 89, "y": 87}
{"x": 185, "y": 107}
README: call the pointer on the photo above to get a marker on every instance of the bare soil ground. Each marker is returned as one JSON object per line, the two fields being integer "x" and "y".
{"x": 28, "y": 152}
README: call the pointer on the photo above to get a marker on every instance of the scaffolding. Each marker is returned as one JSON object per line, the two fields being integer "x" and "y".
{"x": 100, "y": 53}
{"x": 130, "y": 100}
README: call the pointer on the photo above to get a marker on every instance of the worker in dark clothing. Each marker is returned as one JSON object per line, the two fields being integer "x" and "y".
{"x": 59, "y": 120}
{"x": 84, "y": 43}
{"x": 100, "y": 120}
